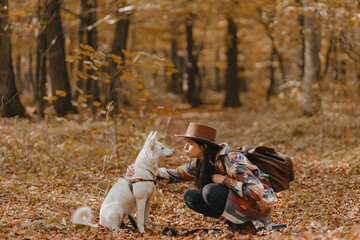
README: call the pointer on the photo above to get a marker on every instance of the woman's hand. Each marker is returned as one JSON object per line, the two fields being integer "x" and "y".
{"x": 162, "y": 173}
{"x": 218, "y": 178}
{"x": 130, "y": 171}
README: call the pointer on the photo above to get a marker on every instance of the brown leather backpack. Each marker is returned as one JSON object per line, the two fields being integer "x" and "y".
{"x": 278, "y": 166}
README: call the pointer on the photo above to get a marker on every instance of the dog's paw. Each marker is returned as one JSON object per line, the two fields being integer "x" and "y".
{"x": 147, "y": 225}
{"x": 141, "y": 229}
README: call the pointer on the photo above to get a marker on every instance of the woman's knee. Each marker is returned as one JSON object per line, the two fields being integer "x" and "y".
{"x": 191, "y": 196}
{"x": 214, "y": 192}
{"x": 209, "y": 190}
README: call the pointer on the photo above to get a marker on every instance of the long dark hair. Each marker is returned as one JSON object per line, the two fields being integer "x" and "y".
{"x": 205, "y": 169}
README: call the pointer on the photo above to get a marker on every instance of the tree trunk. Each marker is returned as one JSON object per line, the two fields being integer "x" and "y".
{"x": 270, "y": 90}
{"x": 30, "y": 72}
{"x": 119, "y": 44}
{"x": 274, "y": 54}
{"x": 56, "y": 49}
{"x": 175, "y": 86}
{"x": 312, "y": 62}
{"x": 82, "y": 39}
{"x": 92, "y": 88}
{"x": 10, "y": 104}
{"x": 218, "y": 86}
{"x": 231, "y": 84}
{"x": 281, "y": 61}
{"x": 241, "y": 77}
{"x": 18, "y": 74}
{"x": 358, "y": 80}
{"x": 41, "y": 72}
{"x": 193, "y": 81}
{"x": 301, "y": 63}
{"x": 328, "y": 58}
{"x": 40, "y": 79}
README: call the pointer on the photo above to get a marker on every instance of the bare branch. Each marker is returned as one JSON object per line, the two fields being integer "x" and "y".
{"x": 127, "y": 11}
{"x": 47, "y": 24}
{"x": 349, "y": 48}
{"x": 71, "y": 12}
{"x": 6, "y": 103}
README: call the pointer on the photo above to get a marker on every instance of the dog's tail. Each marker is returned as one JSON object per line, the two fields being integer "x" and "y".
{"x": 83, "y": 216}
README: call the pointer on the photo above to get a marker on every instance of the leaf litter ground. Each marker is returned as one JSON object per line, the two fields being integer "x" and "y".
{"x": 51, "y": 167}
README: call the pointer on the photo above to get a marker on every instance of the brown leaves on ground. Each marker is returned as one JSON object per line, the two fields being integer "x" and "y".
{"x": 51, "y": 167}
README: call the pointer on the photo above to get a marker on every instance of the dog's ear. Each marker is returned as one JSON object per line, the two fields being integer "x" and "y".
{"x": 154, "y": 135}
{"x": 149, "y": 137}
{"x": 152, "y": 141}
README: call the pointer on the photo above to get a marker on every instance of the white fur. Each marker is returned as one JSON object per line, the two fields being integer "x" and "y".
{"x": 84, "y": 216}
{"x": 120, "y": 201}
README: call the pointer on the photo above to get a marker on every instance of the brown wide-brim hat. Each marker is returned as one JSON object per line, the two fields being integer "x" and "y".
{"x": 200, "y": 132}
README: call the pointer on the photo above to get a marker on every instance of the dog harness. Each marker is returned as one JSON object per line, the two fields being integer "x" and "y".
{"x": 135, "y": 180}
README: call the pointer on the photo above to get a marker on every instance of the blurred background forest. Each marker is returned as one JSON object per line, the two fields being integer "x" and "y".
{"x": 66, "y": 56}
{"x": 89, "y": 79}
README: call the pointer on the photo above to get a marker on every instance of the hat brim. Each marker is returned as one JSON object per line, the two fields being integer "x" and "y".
{"x": 200, "y": 139}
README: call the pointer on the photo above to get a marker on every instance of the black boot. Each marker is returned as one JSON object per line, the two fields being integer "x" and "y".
{"x": 244, "y": 228}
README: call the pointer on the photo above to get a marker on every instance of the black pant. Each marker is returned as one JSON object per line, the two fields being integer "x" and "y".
{"x": 210, "y": 202}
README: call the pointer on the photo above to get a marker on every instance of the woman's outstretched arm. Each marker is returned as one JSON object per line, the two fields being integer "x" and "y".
{"x": 182, "y": 173}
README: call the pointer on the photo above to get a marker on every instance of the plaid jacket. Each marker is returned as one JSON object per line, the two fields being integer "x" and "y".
{"x": 250, "y": 196}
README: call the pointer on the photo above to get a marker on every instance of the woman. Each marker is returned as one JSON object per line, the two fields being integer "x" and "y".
{"x": 227, "y": 184}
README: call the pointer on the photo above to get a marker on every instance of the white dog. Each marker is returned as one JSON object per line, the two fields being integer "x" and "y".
{"x": 128, "y": 194}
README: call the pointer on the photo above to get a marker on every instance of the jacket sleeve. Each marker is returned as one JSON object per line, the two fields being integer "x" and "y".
{"x": 241, "y": 178}
{"x": 183, "y": 173}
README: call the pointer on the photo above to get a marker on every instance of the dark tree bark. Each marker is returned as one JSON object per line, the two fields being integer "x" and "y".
{"x": 40, "y": 72}
{"x": 56, "y": 50}
{"x": 10, "y": 104}
{"x": 231, "y": 84}
{"x": 241, "y": 76}
{"x": 18, "y": 74}
{"x": 358, "y": 79}
{"x": 89, "y": 37}
{"x": 270, "y": 89}
{"x": 301, "y": 63}
{"x": 193, "y": 80}
{"x": 119, "y": 44}
{"x": 40, "y": 81}
{"x": 218, "y": 86}
{"x": 80, "y": 84}
{"x": 175, "y": 85}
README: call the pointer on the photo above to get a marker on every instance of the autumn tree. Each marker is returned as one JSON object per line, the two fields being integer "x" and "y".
{"x": 60, "y": 86}
{"x": 116, "y": 91}
{"x": 198, "y": 36}
{"x": 193, "y": 78}
{"x": 40, "y": 81}
{"x": 268, "y": 18}
{"x": 10, "y": 104}
{"x": 231, "y": 85}
{"x": 312, "y": 59}
{"x": 176, "y": 83}
{"x": 88, "y": 36}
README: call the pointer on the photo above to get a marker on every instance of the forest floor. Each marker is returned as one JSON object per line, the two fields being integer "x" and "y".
{"x": 51, "y": 167}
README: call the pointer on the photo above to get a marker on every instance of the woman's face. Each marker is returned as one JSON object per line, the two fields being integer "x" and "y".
{"x": 192, "y": 149}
